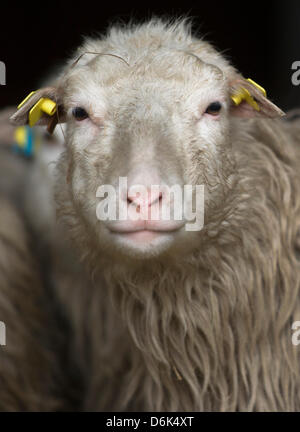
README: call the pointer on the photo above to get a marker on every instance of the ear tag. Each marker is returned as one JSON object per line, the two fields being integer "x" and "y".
{"x": 27, "y": 141}
{"x": 44, "y": 105}
{"x": 244, "y": 94}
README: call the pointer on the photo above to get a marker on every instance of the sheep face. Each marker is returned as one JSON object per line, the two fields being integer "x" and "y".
{"x": 138, "y": 146}
{"x": 148, "y": 162}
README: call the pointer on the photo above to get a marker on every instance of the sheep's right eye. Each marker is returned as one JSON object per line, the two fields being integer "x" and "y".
{"x": 79, "y": 113}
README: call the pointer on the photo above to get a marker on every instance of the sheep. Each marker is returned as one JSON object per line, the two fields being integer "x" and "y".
{"x": 29, "y": 371}
{"x": 32, "y": 329}
{"x": 166, "y": 319}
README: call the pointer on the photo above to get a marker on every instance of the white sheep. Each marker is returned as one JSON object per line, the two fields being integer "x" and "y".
{"x": 175, "y": 319}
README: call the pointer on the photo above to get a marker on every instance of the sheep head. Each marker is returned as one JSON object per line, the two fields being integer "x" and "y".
{"x": 147, "y": 110}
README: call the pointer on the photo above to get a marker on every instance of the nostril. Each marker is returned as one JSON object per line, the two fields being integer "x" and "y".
{"x": 147, "y": 199}
{"x": 133, "y": 198}
{"x": 155, "y": 198}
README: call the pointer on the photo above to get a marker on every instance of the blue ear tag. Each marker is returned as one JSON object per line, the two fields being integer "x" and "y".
{"x": 27, "y": 141}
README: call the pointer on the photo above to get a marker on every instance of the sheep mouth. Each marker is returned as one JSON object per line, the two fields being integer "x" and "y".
{"x": 141, "y": 230}
{"x": 142, "y": 237}
{"x": 145, "y": 227}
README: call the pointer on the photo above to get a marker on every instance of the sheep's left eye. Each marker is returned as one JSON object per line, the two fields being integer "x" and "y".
{"x": 213, "y": 108}
{"x": 79, "y": 113}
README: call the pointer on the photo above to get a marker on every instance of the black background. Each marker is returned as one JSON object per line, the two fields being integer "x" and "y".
{"x": 262, "y": 38}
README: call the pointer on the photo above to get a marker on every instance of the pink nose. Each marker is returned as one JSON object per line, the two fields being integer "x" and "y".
{"x": 144, "y": 200}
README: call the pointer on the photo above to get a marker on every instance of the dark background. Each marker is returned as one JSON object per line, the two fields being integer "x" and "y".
{"x": 262, "y": 38}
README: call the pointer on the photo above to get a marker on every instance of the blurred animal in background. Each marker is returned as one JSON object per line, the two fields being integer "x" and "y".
{"x": 31, "y": 361}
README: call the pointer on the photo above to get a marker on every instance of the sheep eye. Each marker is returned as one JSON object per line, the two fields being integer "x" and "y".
{"x": 79, "y": 113}
{"x": 214, "y": 108}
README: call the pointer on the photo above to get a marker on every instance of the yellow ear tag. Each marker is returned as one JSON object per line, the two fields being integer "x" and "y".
{"x": 244, "y": 94}
{"x": 43, "y": 105}
{"x": 20, "y": 136}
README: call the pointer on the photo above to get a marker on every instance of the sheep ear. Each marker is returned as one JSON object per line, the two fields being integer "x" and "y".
{"x": 42, "y": 107}
{"x": 250, "y": 100}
